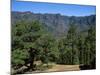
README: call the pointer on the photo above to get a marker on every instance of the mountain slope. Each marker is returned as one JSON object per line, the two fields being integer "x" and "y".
{"x": 55, "y": 23}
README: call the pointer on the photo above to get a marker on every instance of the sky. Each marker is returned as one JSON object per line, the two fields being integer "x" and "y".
{"x": 53, "y": 8}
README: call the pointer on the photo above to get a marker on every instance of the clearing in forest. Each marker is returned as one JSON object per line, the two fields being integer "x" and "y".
{"x": 64, "y": 68}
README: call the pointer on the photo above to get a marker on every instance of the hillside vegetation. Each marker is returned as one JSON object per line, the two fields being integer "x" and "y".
{"x": 35, "y": 47}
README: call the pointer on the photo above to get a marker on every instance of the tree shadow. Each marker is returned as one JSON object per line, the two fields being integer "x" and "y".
{"x": 88, "y": 67}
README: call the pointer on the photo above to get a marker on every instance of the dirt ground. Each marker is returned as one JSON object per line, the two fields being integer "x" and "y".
{"x": 59, "y": 68}
{"x": 64, "y": 68}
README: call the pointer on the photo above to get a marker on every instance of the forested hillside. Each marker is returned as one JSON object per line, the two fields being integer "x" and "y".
{"x": 57, "y": 24}
{"x": 41, "y": 39}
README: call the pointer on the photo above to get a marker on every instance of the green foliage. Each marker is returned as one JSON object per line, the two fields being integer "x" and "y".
{"x": 33, "y": 39}
{"x": 86, "y": 46}
{"x": 48, "y": 48}
{"x": 78, "y": 47}
{"x": 68, "y": 47}
{"x": 18, "y": 57}
{"x": 90, "y": 45}
{"x": 31, "y": 42}
{"x": 24, "y": 35}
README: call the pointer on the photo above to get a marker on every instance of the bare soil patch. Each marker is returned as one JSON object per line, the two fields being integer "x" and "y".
{"x": 64, "y": 68}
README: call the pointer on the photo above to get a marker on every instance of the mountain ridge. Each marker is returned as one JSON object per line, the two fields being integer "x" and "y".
{"x": 55, "y": 23}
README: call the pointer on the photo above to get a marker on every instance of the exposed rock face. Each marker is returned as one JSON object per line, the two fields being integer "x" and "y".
{"x": 55, "y": 23}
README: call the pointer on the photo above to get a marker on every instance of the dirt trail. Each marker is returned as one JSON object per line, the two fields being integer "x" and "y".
{"x": 64, "y": 68}
{"x": 59, "y": 68}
